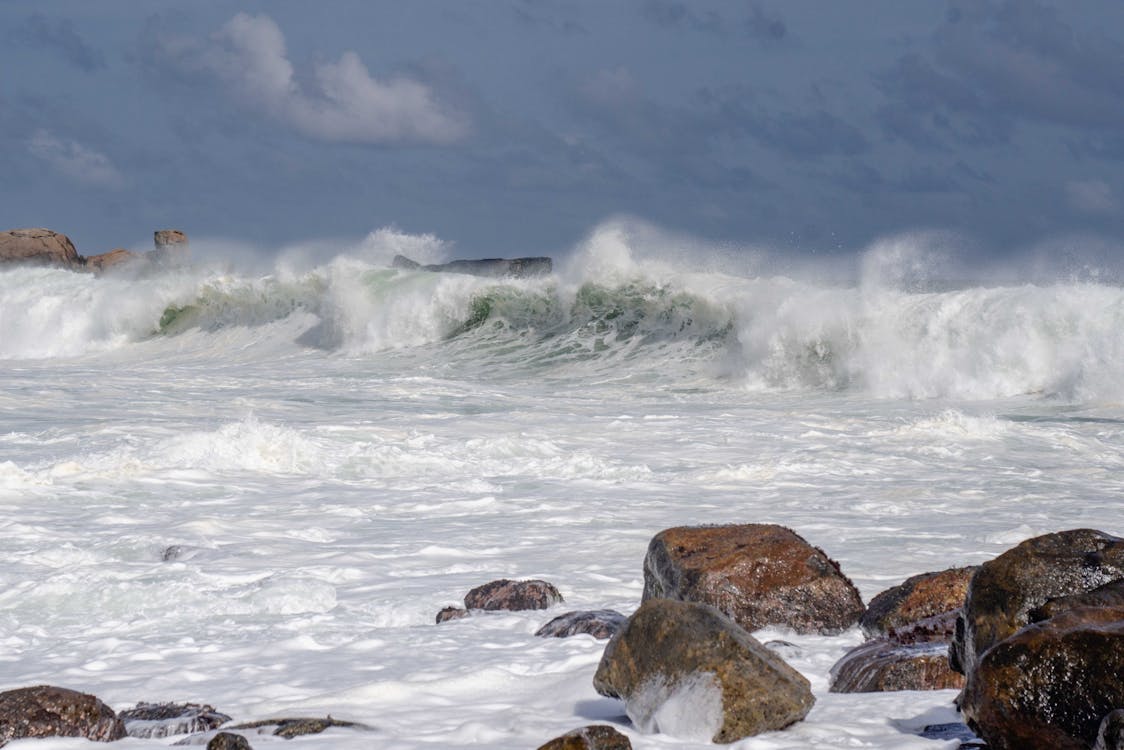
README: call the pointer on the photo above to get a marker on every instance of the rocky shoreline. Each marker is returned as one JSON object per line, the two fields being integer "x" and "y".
{"x": 1035, "y": 637}
{"x": 39, "y": 246}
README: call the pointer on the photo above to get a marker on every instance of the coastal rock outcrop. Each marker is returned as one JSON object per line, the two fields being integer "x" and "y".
{"x": 1050, "y": 685}
{"x": 39, "y": 246}
{"x": 113, "y": 259}
{"x": 595, "y": 737}
{"x": 171, "y": 248}
{"x": 687, "y": 670}
{"x": 48, "y": 711}
{"x": 758, "y": 574}
{"x": 506, "y": 594}
{"x": 1003, "y": 591}
{"x": 917, "y": 598}
{"x": 599, "y": 623}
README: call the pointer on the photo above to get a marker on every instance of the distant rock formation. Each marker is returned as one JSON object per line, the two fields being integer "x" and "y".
{"x": 113, "y": 259}
{"x": 39, "y": 247}
{"x": 172, "y": 248}
{"x": 491, "y": 267}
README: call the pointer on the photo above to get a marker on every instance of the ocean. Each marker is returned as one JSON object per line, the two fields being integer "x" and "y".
{"x": 256, "y": 488}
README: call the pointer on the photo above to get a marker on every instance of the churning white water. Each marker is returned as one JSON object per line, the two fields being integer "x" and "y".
{"x": 338, "y": 451}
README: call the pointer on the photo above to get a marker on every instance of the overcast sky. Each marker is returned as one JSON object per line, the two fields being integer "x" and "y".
{"x": 514, "y": 126}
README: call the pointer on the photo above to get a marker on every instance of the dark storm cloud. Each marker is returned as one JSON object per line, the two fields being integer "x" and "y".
{"x": 58, "y": 35}
{"x": 995, "y": 65}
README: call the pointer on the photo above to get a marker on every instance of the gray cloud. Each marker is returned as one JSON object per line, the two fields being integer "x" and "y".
{"x": 995, "y": 64}
{"x": 674, "y": 14}
{"x": 74, "y": 161}
{"x": 58, "y": 34}
{"x": 764, "y": 27}
{"x": 340, "y": 101}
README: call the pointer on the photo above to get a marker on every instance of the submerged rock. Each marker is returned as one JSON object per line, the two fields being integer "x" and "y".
{"x": 38, "y": 246}
{"x": 166, "y": 719}
{"x": 758, "y": 574}
{"x": 297, "y": 727}
{"x": 451, "y": 613}
{"x": 919, "y": 597}
{"x": 687, "y": 670}
{"x": 1048, "y": 686}
{"x": 600, "y": 623}
{"x": 505, "y": 594}
{"x": 229, "y": 741}
{"x": 595, "y": 737}
{"x": 911, "y": 657}
{"x": 48, "y": 711}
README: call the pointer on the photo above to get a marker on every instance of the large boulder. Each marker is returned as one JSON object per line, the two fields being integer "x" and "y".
{"x": 920, "y": 597}
{"x": 38, "y": 246}
{"x": 1048, "y": 686}
{"x": 1005, "y": 590}
{"x": 113, "y": 259}
{"x": 48, "y": 711}
{"x": 506, "y": 594}
{"x": 594, "y": 737}
{"x": 687, "y": 670}
{"x": 758, "y": 574}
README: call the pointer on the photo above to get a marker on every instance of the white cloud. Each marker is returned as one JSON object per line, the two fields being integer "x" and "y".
{"x": 1091, "y": 196}
{"x": 74, "y": 160}
{"x": 341, "y": 101}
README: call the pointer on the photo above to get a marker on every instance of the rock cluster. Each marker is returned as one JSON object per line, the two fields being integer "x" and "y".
{"x": 504, "y": 594}
{"x": 44, "y": 247}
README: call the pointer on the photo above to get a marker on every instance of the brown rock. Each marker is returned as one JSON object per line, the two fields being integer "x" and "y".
{"x": 451, "y": 613}
{"x": 171, "y": 249}
{"x": 47, "y": 711}
{"x": 884, "y": 665}
{"x": 116, "y": 257}
{"x": 40, "y": 247}
{"x": 600, "y": 623}
{"x": 596, "y": 737}
{"x": 163, "y": 238}
{"x": 758, "y": 574}
{"x": 512, "y": 595}
{"x": 229, "y": 741}
{"x": 1048, "y": 686}
{"x": 917, "y": 598}
{"x": 687, "y": 670}
{"x": 1003, "y": 591}
{"x": 1109, "y": 595}
{"x": 289, "y": 728}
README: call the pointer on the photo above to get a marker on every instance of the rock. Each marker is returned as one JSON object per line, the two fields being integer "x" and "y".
{"x": 687, "y": 670}
{"x": 758, "y": 574}
{"x": 1048, "y": 686}
{"x": 114, "y": 258}
{"x": 1004, "y": 590}
{"x": 1110, "y": 735}
{"x": 47, "y": 711}
{"x": 884, "y": 665}
{"x": 171, "y": 248}
{"x": 289, "y": 728}
{"x": 596, "y": 737}
{"x": 166, "y": 719}
{"x": 40, "y": 247}
{"x": 493, "y": 267}
{"x": 917, "y": 598}
{"x": 451, "y": 613}
{"x": 512, "y": 595}
{"x": 600, "y": 623}
{"x": 229, "y": 741}
{"x": 1109, "y": 595}
{"x": 949, "y": 731}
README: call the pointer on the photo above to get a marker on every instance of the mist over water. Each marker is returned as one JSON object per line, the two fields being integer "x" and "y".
{"x": 337, "y": 449}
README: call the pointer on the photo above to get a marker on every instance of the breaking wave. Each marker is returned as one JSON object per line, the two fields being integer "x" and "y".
{"x": 605, "y": 313}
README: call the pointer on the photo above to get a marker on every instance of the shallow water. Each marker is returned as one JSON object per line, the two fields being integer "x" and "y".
{"x": 340, "y": 453}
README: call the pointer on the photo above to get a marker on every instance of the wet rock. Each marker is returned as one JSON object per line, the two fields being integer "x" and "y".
{"x": 596, "y": 737}
{"x": 949, "y": 731}
{"x": 919, "y": 597}
{"x": 229, "y": 741}
{"x": 1109, "y": 595}
{"x": 1048, "y": 686}
{"x": 687, "y": 670}
{"x": 600, "y": 623}
{"x": 47, "y": 711}
{"x": 1110, "y": 735}
{"x": 40, "y": 247}
{"x": 451, "y": 613}
{"x": 512, "y": 595}
{"x": 166, "y": 719}
{"x": 113, "y": 259}
{"x": 884, "y": 665}
{"x": 289, "y": 728}
{"x": 758, "y": 574}
{"x": 171, "y": 247}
